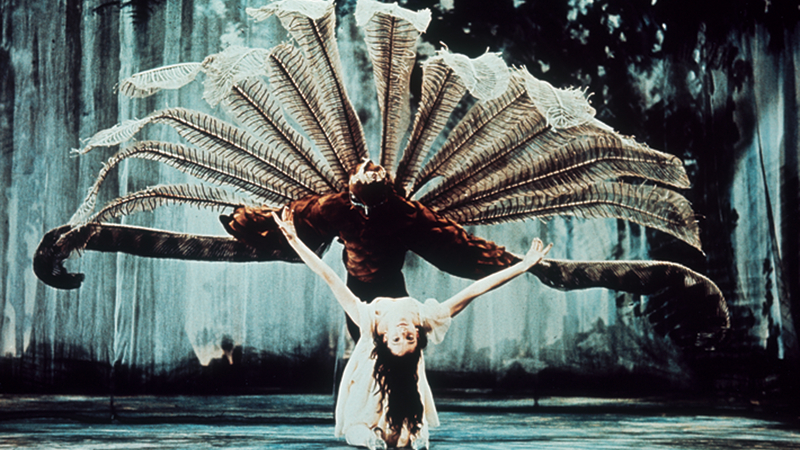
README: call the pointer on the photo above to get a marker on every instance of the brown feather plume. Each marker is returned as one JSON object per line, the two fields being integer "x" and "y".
{"x": 292, "y": 83}
{"x": 650, "y": 206}
{"x": 313, "y": 26}
{"x": 484, "y": 123}
{"x": 555, "y": 162}
{"x": 391, "y": 41}
{"x": 442, "y": 90}
{"x": 252, "y": 104}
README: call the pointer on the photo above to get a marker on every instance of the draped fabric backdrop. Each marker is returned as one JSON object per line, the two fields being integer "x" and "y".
{"x": 717, "y": 87}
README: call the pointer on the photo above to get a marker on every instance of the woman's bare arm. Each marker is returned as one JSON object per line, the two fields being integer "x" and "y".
{"x": 460, "y": 301}
{"x": 346, "y": 298}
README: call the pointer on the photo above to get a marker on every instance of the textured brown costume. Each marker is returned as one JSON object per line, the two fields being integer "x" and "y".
{"x": 375, "y": 246}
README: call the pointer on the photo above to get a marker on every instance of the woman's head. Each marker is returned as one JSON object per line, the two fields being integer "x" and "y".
{"x": 397, "y": 379}
{"x": 398, "y": 326}
{"x": 401, "y": 338}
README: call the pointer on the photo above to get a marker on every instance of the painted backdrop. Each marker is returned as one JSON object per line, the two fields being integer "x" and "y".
{"x": 716, "y": 85}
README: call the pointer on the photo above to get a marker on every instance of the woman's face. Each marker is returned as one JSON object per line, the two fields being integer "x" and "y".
{"x": 401, "y": 338}
{"x": 398, "y": 324}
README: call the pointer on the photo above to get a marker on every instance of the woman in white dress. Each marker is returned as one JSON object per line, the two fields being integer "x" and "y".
{"x": 384, "y": 397}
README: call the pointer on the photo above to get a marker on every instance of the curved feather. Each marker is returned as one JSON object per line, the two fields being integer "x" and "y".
{"x": 115, "y": 135}
{"x": 202, "y": 165}
{"x": 312, "y": 24}
{"x": 391, "y": 34}
{"x": 445, "y": 79}
{"x": 147, "y": 83}
{"x": 494, "y": 162}
{"x": 251, "y": 103}
{"x": 223, "y": 69}
{"x": 650, "y": 206}
{"x": 442, "y": 90}
{"x": 292, "y": 83}
{"x": 487, "y": 76}
{"x": 485, "y": 122}
{"x": 157, "y": 196}
{"x": 229, "y": 142}
{"x": 556, "y": 162}
{"x": 563, "y": 108}
{"x": 239, "y": 147}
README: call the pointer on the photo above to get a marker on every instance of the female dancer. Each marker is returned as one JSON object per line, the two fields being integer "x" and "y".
{"x": 384, "y": 398}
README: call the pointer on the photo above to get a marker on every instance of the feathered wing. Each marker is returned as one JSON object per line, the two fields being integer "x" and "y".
{"x": 228, "y": 142}
{"x": 227, "y": 155}
{"x": 536, "y": 151}
{"x": 391, "y": 34}
{"x": 293, "y": 84}
{"x": 154, "y": 197}
{"x": 521, "y": 122}
{"x": 251, "y": 103}
{"x": 650, "y": 206}
{"x": 147, "y": 83}
{"x": 445, "y": 79}
{"x": 247, "y": 177}
{"x": 539, "y": 158}
{"x": 482, "y": 124}
{"x": 681, "y": 303}
{"x": 221, "y": 69}
{"x": 312, "y": 24}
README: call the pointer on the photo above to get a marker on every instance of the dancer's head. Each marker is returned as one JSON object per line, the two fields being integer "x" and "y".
{"x": 401, "y": 339}
{"x": 369, "y": 186}
{"x": 397, "y": 379}
{"x": 398, "y": 328}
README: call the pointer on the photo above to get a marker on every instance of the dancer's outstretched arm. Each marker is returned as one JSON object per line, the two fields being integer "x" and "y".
{"x": 346, "y": 298}
{"x": 460, "y": 301}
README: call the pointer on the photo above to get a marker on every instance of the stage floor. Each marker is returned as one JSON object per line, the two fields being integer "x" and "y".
{"x": 306, "y": 422}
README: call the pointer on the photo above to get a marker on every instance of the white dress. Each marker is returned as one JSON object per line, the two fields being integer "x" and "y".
{"x": 358, "y": 401}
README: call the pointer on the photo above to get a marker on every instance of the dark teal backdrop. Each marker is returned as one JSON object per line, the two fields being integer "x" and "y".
{"x": 715, "y": 83}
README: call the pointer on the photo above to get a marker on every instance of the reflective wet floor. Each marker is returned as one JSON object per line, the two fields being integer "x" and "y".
{"x": 306, "y": 422}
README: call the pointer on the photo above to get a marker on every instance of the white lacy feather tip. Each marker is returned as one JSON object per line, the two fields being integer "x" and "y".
{"x": 228, "y": 66}
{"x": 313, "y": 9}
{"x": 365, "y": 9}
{"x": 81, "y": 216}
{"x": 115, "y": 135}
{"x": 144, "y": 84}
{"x": 486, "y": 76}
{"x": 563, "y": 108}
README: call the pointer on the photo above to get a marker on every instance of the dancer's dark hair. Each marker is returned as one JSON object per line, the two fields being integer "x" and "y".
{"x": 397, "y": 379}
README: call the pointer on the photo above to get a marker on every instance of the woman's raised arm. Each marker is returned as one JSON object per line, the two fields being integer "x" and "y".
{"x": 460, "y": 301}
{"x": 346, "y": 298}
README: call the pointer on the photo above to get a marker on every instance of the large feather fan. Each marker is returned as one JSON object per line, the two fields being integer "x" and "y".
{"x": 524, "y": 149}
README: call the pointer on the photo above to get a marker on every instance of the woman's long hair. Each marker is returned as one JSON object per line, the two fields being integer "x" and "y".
{"x": 397, "y": 379}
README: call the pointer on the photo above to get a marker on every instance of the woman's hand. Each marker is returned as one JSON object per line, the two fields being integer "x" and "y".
{"x": 458, "y": 302}
{"x": 536, "y": 252}
{"x": 286, "y": 223}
